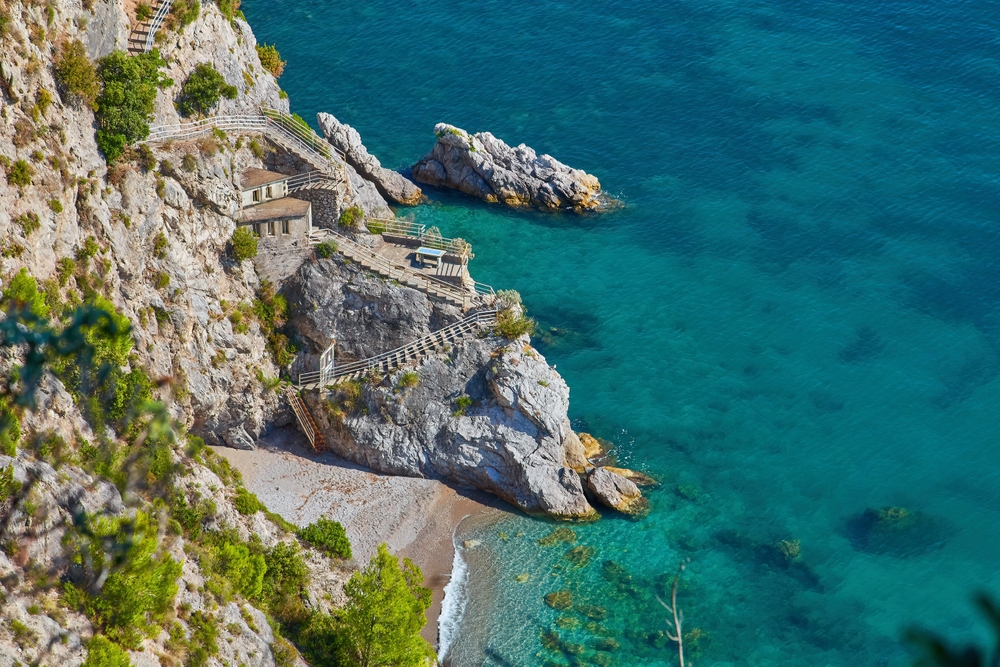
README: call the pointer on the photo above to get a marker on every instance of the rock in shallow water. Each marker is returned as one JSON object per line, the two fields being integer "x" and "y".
{"x": 485, "y": 167}
{"x": 617, "y": 492}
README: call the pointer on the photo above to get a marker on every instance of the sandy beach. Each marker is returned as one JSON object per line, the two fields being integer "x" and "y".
{"x": 416, "y": 518}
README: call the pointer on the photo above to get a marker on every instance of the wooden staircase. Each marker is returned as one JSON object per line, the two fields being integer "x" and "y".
{"x": 410, "y": 353}
{"x": 141, "y": 38}
{"x": 305, "y": 419}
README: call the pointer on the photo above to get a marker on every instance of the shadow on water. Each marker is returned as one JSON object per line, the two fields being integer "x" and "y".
{"x": 896, "y": 531}
{"x": 865, "y": 346}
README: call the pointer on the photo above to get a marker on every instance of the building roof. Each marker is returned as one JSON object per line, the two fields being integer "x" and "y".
{"x": 254, "y": 178}
{"x": 276, "y": 209}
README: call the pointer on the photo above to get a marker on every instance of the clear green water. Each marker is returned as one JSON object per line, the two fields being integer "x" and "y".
{"x": 795, "y": 317}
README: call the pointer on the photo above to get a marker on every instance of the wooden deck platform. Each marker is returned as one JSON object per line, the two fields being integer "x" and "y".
{"x": 456, "y": 274}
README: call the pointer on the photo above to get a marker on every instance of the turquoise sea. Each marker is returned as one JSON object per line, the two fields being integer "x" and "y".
{"x": 794, "y": 318}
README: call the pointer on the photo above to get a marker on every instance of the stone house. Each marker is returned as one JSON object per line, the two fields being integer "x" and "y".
{"x": 281, "y": 223}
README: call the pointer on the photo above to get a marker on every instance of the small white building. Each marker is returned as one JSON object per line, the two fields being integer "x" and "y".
{"x": 260, "y": 185}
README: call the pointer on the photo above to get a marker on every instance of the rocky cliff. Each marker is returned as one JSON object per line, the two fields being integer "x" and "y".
{"x": 484, "y": 167}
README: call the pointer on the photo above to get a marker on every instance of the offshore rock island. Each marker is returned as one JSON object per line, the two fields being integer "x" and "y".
{"x": 250, "y": 281}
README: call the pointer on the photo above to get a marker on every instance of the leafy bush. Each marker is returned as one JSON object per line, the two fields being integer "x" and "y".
{"x": 183, "y": 13}
{"x": 29, "y": 223}
{"x": 271, "y": 310}
{"x": 56, "y": 206}
{"x": 326, "y": 249}
{"x": 328, "y": 536}
{"x": 242, "y": 571}
{"x": 352, "y": 217}
{"x": 462, "y": 405}
{"x": 143, "y": 11}
{"x": 139, "y": 592}
{"x": 256, "y": 148}
{"x": 271, "y": 59}
{"x": 284, "y": 579}
{"x": 162, "y": 280}
{"x": 203, "y": 88}
{"x": 76, "y": 74}
{"x": 8, "y": 485}
{"x": 23, "y": 292}
{"x": 408, "y": 380}
{"x": 513, "y": 324}
{"x": 126, "y": 102}
{"x": 247, "y": 503}
{"x": 160, "y": 245}
{"x": 188, "y": 163}
{"x": 244, "y": 244}
{"x": 103, "y": 653}
{"x": 229, "y": 8}
{"x": 20, "y": 174}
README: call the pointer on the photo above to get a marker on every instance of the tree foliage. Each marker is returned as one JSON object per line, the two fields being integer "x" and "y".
{"x": 127, "y": 99}
{"x": 270, "y": 59}
{"x": 327, "y": 535}
{"x": 103, "y": 653}
{"x": 244, "y": 244}
{"x": 203, "y": 88}
{"x": 384, "y": 614}
{"x": 128, "y": 601}
{"x": 936, "y": 651}
{"x": 75, "y": 73}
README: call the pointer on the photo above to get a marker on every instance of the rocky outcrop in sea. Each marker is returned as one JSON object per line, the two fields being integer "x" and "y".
{"x": 484, "y": 167}
{"x": 390, "y": 184}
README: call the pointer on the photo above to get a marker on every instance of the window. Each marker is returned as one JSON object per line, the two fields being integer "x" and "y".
{"x": 256, "y": 195}
{"x": 284, "y": 226}
{"x": 259, "y": 230}
{"x": 270, "y": 194}
{"x": 270, "y": 228}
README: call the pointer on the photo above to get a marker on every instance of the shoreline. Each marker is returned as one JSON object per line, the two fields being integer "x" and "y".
{"x": 417, "y": 518}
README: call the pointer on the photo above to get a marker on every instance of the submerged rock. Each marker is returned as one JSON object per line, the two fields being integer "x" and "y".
{"x": 559, "y": 599}
{"x": 389, "y": 183}
{"x": 486, "y": 168}
{"x": 637, "y": 478}
{"x": 580, "y": 556}
{"x": 562, "y": 534}
{"x": 617, "y": 492}
{"x": 895, "y": 530}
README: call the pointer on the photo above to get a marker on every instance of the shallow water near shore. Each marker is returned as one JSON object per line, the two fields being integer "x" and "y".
{"x": 795, "y": 316}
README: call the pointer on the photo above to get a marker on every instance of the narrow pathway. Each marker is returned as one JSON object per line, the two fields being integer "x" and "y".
{"x": 413, "y": 352}
{"x": 305, "y": 419}
{"x": 142, "y": 37}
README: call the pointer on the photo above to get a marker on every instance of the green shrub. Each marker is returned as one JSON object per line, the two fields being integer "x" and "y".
{"x": 408, "y": 380}
{"x": 65, "y": 268}
{"x": 88, "y": 250}
{"x": 246, "y": 502}
{"x": 20, "y": 174}
{"x": 145, "y": 158}
{"x": 183, "y": 13}
{"x": 139, "y": 591}
{"x": 244, "y": 244}
{"x": 43, "y": 100}
{"x": 352, "y": 217}
{"x": 229, "y": 8}
{"x": 327, "y": 536}
{"x": 282, "y": 95}
{"x": 462, "y": 405}
{"x": 76, "y": 74}
{"x": 326, "y": 249}
{"x": 103, "y": 653}
{"x": 271, "y": 59}
{"x": 188, "y": 163}
{"x": 162, "y": 280}
{"x": 23, "y": 292}
{"x": 271, "y": 311}
{"x": 56, "y": 206}
{"x": 127, "y": 99}
{"x": 204, "y": 635}
{"x": 513, "y": 325}
{"x": 375, "y": 226}
{"x": 160, "y": 245}
{"x": 242, "y": 571}
{"x": 203, "y": 88}
{"x": 143, "y": 11}
{"x": 29, "y": 223}
{"x": 256, "y": 148}
{"x": 8, "y": 485}
{"x": 284, "y": 579}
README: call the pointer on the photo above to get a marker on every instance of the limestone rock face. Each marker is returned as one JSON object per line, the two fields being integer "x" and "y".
{"x": 510, "y": 442}
{"x": 617, "y": 492}
{"x": 346, "y": 139}
{"x": 486, "y": 168}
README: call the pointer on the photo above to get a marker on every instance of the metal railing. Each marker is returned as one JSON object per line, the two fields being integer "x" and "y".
{"x": 433, "y": 287}
{"x": 413, "y": 351}
{"x": 309, "y": 179}
{"x": 417, "y": 231}
{"x": 161, "y": 14}
{"x": 304, "y": 418}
